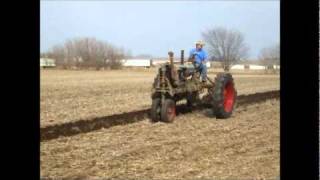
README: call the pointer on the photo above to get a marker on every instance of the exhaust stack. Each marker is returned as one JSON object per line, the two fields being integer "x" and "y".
{"x": 182, "y": 57}
{"x": 171, "y": 58}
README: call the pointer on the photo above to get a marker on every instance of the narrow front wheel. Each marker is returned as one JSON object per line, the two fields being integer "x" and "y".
{"x": 168, "y": 110}
{"x": 155, "y": 110}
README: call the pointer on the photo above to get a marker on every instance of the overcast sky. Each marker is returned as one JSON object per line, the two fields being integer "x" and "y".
{"x": 155, "y": 27}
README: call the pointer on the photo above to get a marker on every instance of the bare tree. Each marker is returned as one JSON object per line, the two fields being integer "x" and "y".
{"x": 88, "y": 52}
{"x": 270, "y": 55}
{"x": 128, "y": 54}
{"x": 225, "y": 45}
{"x": 43, "y": 55}
{"x": 148, "y": 56}
{"x": 114, "y": 55}
{"x": 58, "y": 53}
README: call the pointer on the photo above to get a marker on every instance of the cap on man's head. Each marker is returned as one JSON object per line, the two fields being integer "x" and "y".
{"x": 199, "y": 42}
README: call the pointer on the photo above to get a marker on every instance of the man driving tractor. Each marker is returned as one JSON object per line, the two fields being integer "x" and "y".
{"x": 199, "y": 57}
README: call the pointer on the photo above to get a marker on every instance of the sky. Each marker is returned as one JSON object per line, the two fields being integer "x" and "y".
{"x": 156, "y": 27}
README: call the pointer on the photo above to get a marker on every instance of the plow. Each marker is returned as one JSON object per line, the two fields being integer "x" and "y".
{"x": 89, "y": 125}
{"x": 177, "y": 82}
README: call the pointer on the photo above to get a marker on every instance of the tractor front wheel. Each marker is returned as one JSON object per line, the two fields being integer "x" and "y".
{"x": 168, "y": 110}
{"x": 155, "y": 110}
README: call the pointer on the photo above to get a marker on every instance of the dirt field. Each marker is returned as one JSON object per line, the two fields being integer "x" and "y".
{"x": 195, "y": 146}
{"x": 67, "y": 96}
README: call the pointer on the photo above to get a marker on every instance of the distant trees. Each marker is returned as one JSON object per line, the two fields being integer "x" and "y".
{"x": 270, "y": 55}
{"x": 87, "y": 52}
{"x": 225, "y": 45}
{"x": 58, "y": 53}
{"x": 148, "y": 56}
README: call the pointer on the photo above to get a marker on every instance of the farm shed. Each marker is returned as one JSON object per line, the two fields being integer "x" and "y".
{"x": 256, "y": 67}
{"x": 238, "y": 66}
{"x": 136, "y": 62}
{"x": 208, "y": 64}
{"x": 47, "y": 62}
{"x": 247, "y": 66}
{"x": 276, "y": 67}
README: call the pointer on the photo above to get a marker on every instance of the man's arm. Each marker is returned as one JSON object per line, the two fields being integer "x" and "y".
{"x": 191, "y": 55}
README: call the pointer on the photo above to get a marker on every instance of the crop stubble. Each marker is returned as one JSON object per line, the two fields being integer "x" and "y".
{"x": 194, "y": 146}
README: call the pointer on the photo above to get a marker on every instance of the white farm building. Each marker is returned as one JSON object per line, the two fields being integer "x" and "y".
{"x": 249, "y": 66}
{"x": 136, "y": 62}
{"x": 276, "y": 67}
{"x": 47, "y": 62}
{"x": 238, "y": 67}
{"x": 256, "y": 67}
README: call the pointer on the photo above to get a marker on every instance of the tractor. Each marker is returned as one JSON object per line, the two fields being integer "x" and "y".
{"x": 175, "y": 82}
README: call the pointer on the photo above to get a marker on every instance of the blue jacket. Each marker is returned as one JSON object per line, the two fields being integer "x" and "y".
{"x": 201, "y": 55}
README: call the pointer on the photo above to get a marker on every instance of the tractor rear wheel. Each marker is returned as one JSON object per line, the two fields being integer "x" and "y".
{"x": 155, "y": 110}
{"x": 168, "y": 110}
{"x": 224, "y": 95}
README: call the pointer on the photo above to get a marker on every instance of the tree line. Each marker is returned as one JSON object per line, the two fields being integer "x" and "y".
{"x": 87, "y": 53}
